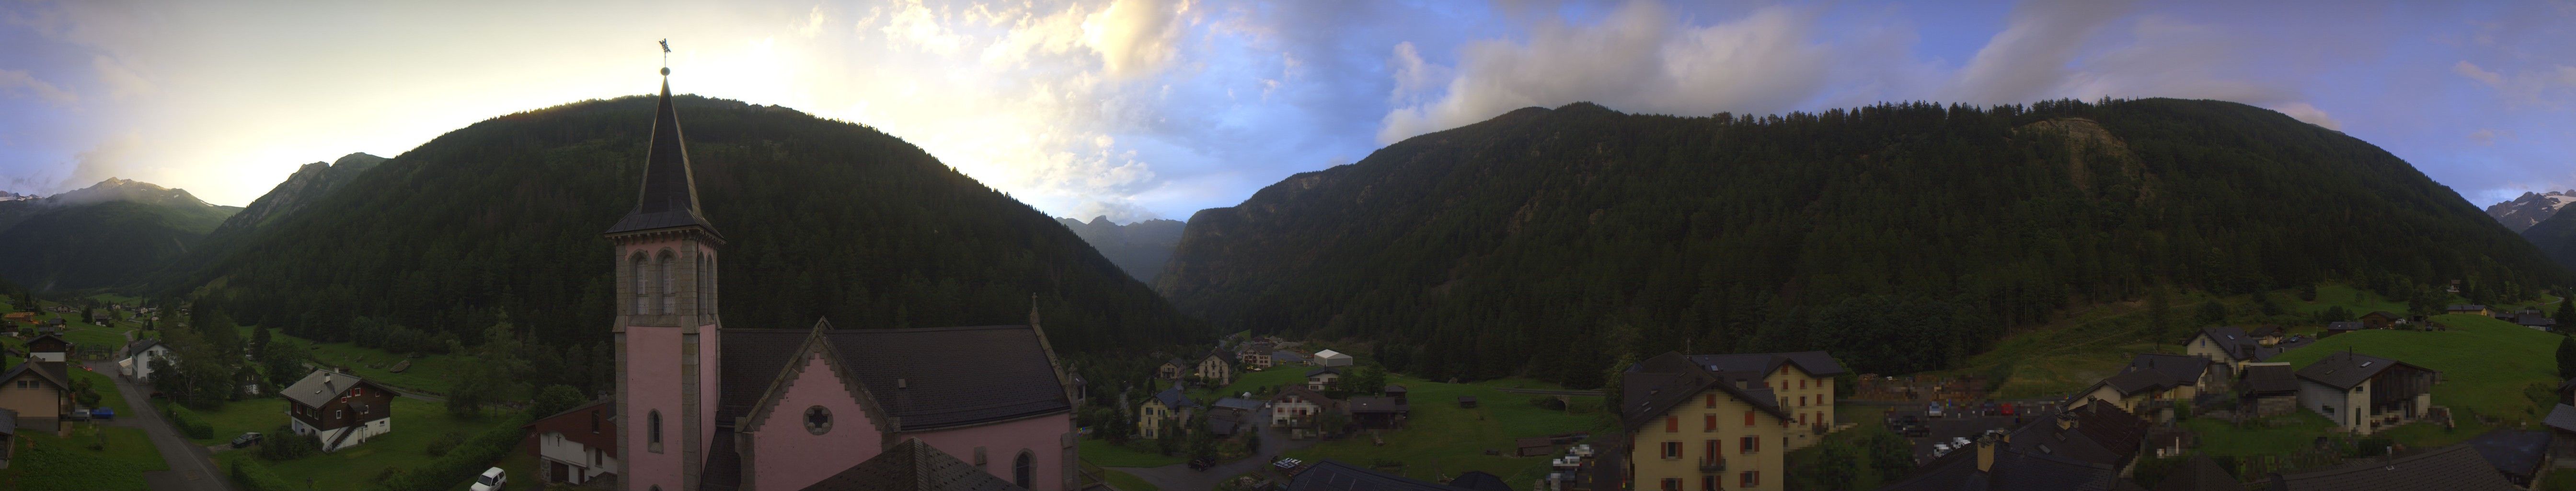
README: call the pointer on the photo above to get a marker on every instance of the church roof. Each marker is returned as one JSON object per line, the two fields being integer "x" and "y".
{"x": 913, "y": 466}
{"x": 926, "y": 378}
{"x": 670, "y": 194}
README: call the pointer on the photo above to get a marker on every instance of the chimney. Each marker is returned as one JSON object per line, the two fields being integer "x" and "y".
{"x": 1986, "y": 453}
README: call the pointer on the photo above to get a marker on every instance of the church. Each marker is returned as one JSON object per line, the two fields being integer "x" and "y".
{"x": 705, "y": 407}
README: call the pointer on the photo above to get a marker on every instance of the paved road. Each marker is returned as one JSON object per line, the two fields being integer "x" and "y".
{"x": 192, "y": 468}
{"x": 1180, "y": 477}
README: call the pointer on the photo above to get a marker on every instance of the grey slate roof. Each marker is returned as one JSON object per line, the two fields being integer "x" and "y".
{"x": 2452, "y": 468}
{"x": 1816, "y": 363}
{"x": 1375, "y": 404}
{"x": 49, "y": 371}
{"x": 137, "y": 346}
{"x": 2515, "y": 453}
{"x": 2466, "y": 307}
{"x": 2182, "y": 369}
{"x": 2562, "y": 417}
{"x": 2012, "y": 471}
{"x": 1239, "y": 404}
{"x": 1479, "y": 481}
{"x": 2200, "y": 473}
{"x": 2232, "y": 340}
{"x": 1286, "y": 356}
{"x": 2269, "y": 379}
{"x": 669, "y": 197}
{"x": 1664, "y": 381}
{"x": 2131, "y": 383}
{"x": 2102, "y": 434}
{"x": 2346, "y": 369}
{"x": 913, "y": 466}
{"x": 950, "y": 376}
{"x": 1333, "y": 475}
{"x": 2344, "y": 326}
{"x": 313, "y": 391}
{"x": 1172, "y": 398}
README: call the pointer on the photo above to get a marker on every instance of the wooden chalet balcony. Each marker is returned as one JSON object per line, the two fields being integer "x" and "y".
{"x": 1712, "y": 465}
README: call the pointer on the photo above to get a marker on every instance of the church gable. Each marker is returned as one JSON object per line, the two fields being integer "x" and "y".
{"x": 813, "y": 375}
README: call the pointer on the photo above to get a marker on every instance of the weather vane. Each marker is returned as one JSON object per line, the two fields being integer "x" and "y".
{"x": 666, "y": 57}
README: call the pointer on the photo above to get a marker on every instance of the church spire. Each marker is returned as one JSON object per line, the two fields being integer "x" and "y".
{"x": 670, "y": 195}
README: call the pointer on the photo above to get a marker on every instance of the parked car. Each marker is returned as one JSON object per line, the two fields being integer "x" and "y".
{"x": 491, "y": 480}
{"x": 102, "y": 413}
{"x": 78, "y": 415}
{"x": 246, "y": 439}
{"x": 2008, "y": 409}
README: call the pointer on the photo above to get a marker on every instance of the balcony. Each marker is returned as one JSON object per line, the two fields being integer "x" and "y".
{"x": 1712, "y": 465}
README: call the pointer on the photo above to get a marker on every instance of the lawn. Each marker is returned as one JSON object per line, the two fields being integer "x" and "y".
{"x": 1444, "y": 440}
{"x": 431, "y": 374}
{"x": 1102, "y": 453}
{"x": 88, "y": 335}
{"x": 109, "y": 397}
{"x": 44, "y": 461}
{"x": 2486, "y": 364}
{"x": 1127, "y": 482}
{"x": 2277, "y": 435}
{"x": 416, "y": 422}
{"x": 1257, "y": 383}
{"x": 261, "y": 415}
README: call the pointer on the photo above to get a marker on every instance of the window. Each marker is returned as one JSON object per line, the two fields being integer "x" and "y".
{"x": 1672, "y": 484}
{"x": 1802, "y": 400}
{"x": 1710, "y": 422}
{"x": 1748, "y": 445}
{"x": 1714, "y": 450}
{"x": 818, "y": 420}
{"x": 594, "y": 421}
{"x": 653, "y": 427}
{"x": 1024, "y": 470}
{"x": 1802, "y": 384}
{"x": 1802, "y": 418}
{"x": 1712, "y": 400}
{"x": 1672, "y": 424}
{"x": 638, "y": 270}
{"x": 670, "y": 296}
{"x": 1751, "y": 479}
{"x": 979, "y": 457}
{"x": 1672, "y": 450}
{"x": 706, "y": 284}
{"x": 1748, "y": 418}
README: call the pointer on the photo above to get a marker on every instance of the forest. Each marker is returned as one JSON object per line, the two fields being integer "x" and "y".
{"x": 1902, "y": 236}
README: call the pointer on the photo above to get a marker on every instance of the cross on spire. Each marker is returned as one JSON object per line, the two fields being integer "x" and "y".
{"x": 666, "y": 57}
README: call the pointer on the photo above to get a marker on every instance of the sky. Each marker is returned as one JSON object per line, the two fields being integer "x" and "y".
{"x": 1138, "y": 109}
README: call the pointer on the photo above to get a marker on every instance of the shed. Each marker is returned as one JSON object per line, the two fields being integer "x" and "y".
{"x": 1332, "y": 358}
{"x": 1535, "y": 446}
{"x": 1396, "y": 391}
{"x": 1467, "y": 401}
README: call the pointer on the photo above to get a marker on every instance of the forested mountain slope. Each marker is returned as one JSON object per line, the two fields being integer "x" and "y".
{"x": 1902, "y": 236}
{"x": 822, "y": 218}
{"x": 2555, "y": 237}
{"x": 112, "y": 234}
{"x": 1139, "y": 248}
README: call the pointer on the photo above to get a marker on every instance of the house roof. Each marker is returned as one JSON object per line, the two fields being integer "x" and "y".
{"x": 137, "y": 346}
{"x": 2344, "y": 326}
{"x": 2182, "y": 369}
{"x": 319, "y": 387}
{"x": 2232, "y": 340}
{"x": 1479, "y": 481}
{"x": 1817, "y": 363}
{"x": 1172, "y": 398}
{"x": 1299, "y": 390}
{"x": 1286, "y": 355}
{"x": 1664, "y": 381}
{"x": 2562, "y": 417}
{"x": 925, "y": 378}
{"x": 2099, "y": 433}
{"x": 2269, "y": 379}
{"x": 2469, "y": 306}
{"x": 1238, "y": 403}
{"x": 2534, "y": 320}
{"x": 2264, "y": 331}
{"x": 2200, "y": 473}
{"x": 49, "y": 371}
{"x": 1323, "y": 370}
{"x": 913, "y": 466}
{"x": 2453, "y": 468}
{"x": 2513, "y": 452}
{"x": 1395, "y": 389}
{"x": 2344, "y": 370}
{"x": 31, "y": 342}
{"x": 669, "y": 197}
{"x": 1333, "y": 475}
{"x": 1331, "y": 354}
{"x": 2134, "y": 382}
{"x": 2012, "y": 471}
{"x": 1375, "y": 404}
{"x": 577, "y": 409}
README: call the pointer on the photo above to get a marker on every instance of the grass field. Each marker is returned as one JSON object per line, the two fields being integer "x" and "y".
{"x": 1445, "y": 440}
{"x": 2486, "y": 364}
{"x": 1127, "y": 482}
{"x": 431, "y": 374}
{"x": 261, "y": 415}
{"x": 1105, "y": 454}
{"x": 1257, "y": 382}
{"x": 109, "y": 397}
{"x": 416, "y": 422}
{"x": 44, "y": 461}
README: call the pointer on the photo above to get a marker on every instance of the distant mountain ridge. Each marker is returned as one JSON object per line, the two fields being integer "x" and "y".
{"x": 2530, "y": 208}
{"x": 113, "y": 233}
{"x": 307, "y": 184}
{"x": 1138, "y": 248}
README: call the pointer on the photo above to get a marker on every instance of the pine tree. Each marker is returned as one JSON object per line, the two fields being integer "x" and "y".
{"x": 2567, "y": 358}
{"x": 2566, "y": 314}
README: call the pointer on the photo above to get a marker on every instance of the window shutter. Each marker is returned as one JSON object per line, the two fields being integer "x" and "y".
{"x": 1672, "y": 424}
{"x": 1711, "y": 420}
{"x": 1748, "y": 418}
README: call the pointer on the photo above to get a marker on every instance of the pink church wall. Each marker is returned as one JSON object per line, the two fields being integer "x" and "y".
{"x": 1042, "y": 436}
{"x": 653, "y": 376}
{"x": 789, "y": 457}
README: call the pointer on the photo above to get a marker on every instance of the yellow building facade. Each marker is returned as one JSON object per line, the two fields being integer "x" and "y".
{"x": 1712, "y": 441}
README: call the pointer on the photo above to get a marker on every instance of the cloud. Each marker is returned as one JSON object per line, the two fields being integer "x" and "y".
{"x": 2030, "y": 58}
{"x": 1135, "y": 37}
{"x": 1637, "y": 58}
{"x": 2309, "y": 113}
{"x": 18, "y": 83}
{"x": 2488, "y": 136}
{"x": 2471, "y": 70}
{"x": 121, "y": 81}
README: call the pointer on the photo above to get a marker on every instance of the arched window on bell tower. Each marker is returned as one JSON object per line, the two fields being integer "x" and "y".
{"x": 636, "y": 268}
{"x": 706, "y": 285}
{"x": 670, "y": 296}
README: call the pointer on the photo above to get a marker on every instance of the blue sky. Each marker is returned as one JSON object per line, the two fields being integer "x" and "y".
{"x": 1158, "y": 108}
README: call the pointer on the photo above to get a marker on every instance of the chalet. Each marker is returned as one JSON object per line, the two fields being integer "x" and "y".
{"x": 2562, "y": 434}
{"x": 101, "y": 317}
{"x": 38, "y": 394}
{"x": 48, "y": 347}
{"x": 2333, "y": 328}
{"x": 2267, "y": 335}
{"x": 2466, "y": 309}
{"x": 1285, "y": 358}
{"x": 2364, "y": 394}
{"x": 2267, "y": 389}
{"x": 1254, "y": 355}
{"x": 1172, "y": 369}
{"x": 2452, "y": 468}
{"x": 2381, "y": 319}
{"x": 2155, "y": 377}
{"x": 1378, "y": 413}
{"x": 1333, "y": 475}
{"x": 1216, "y": 367}
{"x": 136, "y": 362}
{"x": 1299, "y": 409}
{"x": 1323, "y": 378}
{"x": 576, "y": 446}
{"x": 1163, "y": 413}
{"x": 1686, "y": 425}
{"x": 2535, "y": 320}
{"x": 340, "y": 408}
{"x": 2233, "y": 346}
{"x": 19, "y": 319}
{"x": 1802, "y": 381}
{"x": 2520, "y": 456}
{"x": 1330, "y": 358}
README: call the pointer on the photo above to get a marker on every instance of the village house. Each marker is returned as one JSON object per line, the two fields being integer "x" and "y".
{"x": 1164, "y": 413}
{"x": 2520, "y": 456}
{"x": 1216, "y": 367}
{"x": 2267, "y": 389}
{"x": 1234, "y": 416}
{"x": 2097, "y": 434}
{"x": 18, "y": 320}
{"x": 2466, "y": 309}
{"x": 1254, "y": 360}
{"x": 1686, "y": 426}
{"x": 39, "y": 394}
{"x": 1378, "y": 412}
{"x": 2364, "y": 394}
{"x": 2452, "y": 468}
{"x": 339, "y": 408}
{"x": 1300, "y": 411}
{"x": 703, "y": 407}
{"x": 2233, "y": 346}
{"x": 2155, "y": 377}
{"x": 1330, "y": 358}
{"x": 136, "y": 363}
{"x": 1802, "y": 381}
{"x": 1172, "y": 369}
{"x": 576, "y": 446}
{"x": 48, "y": 347}
{"x": 1324, "y": 378}
{"x": 2562, "y": 434}
{"x": 2535, "y": 320}
{"x": 2345, "y": 327}
{"x": 1283, "y": 358}
{"x": 2381, "y": 319}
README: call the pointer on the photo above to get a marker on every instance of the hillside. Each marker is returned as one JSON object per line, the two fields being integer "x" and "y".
{"x": 2555, "y": 237}
{"x": 1138, "y": 248}
{"x": 1904, "y": 237}
{"x": 822, "y": 218}
{"x": 307, "y": 184}
{"x": 2530, "y": 208}
{"x": 115, "y": 233}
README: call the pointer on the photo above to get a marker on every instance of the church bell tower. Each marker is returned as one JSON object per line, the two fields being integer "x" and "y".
{"x": 666, "y": 333}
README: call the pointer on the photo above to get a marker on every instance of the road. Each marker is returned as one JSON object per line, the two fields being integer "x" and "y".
{"x": 1549, "y": 392}
{"x": 192, "y": 467}
{"x": 1180, "y": 477}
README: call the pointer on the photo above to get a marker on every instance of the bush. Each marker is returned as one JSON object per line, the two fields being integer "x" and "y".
{"x": 463, "y": 462}
{"x": 283, "y": 444}
{"x": 186, "y": 421}
{"x": 445, "y": 442}
{"x": 251, "y": 476}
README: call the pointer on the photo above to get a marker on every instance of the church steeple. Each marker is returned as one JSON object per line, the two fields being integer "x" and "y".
{"x": 670, "y": 195}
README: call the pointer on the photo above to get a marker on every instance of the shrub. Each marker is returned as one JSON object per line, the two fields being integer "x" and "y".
{"x": 186, "y": 422}
{"x": 461, "y": 463}
{"x": 251, "y": 476}
{"x": 283, "y": 444}
{"x": 445, "y": 442}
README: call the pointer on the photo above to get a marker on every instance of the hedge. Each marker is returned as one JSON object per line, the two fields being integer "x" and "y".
{"x": 255, "y": 477}
{"x": 186, "y": 421}
{"x": 463, "y": 462}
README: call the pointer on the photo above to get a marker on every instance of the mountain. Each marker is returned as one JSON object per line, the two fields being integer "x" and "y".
{"x": 2556, "y": 237}
{"x": 2530, "y": 208}
{"x": 821, "y": 218}
{"x": 307, "y": 184}
{"x": 114, "y": 233}
{"x": 1547, "y": 243}
{"x": 1138, "y": 248}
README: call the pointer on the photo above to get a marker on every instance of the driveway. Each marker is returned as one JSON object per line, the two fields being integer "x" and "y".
{"x": 1180, "y": 477}
{"x": 192, "y": 468}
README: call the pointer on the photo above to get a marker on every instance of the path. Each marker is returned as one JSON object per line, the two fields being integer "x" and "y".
{"x": 192, "y": 467}
{"x": 1551, "y": 392}
{"x": 1179, "y": 477}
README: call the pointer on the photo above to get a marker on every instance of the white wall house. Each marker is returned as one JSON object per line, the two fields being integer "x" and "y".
{"x": 139, "y": 355}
